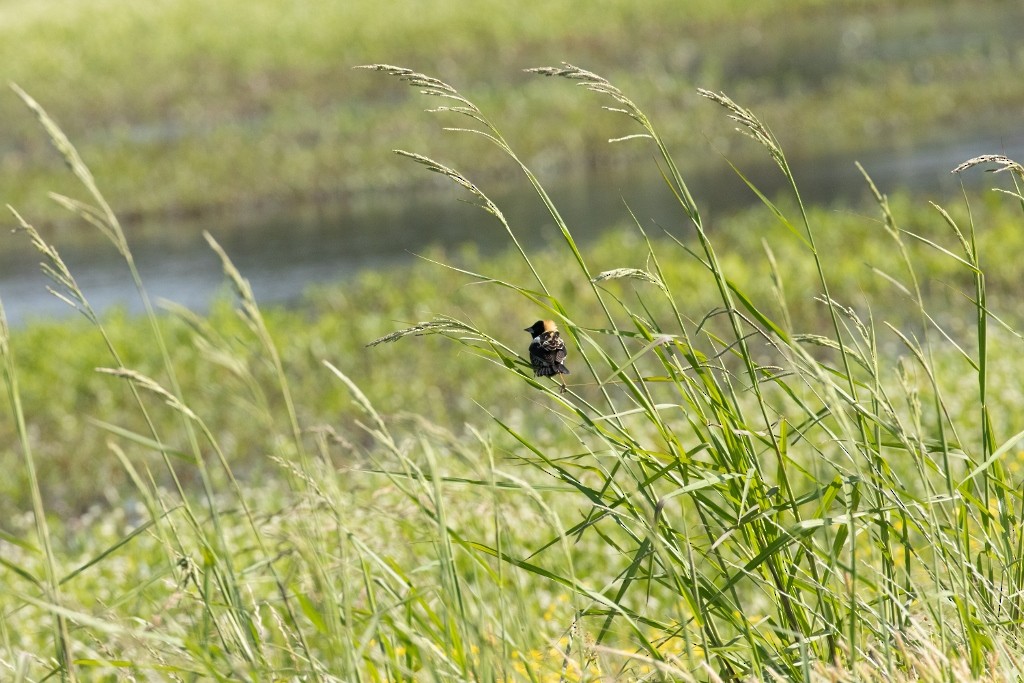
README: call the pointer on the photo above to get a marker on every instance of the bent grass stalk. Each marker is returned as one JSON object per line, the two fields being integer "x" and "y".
{"x": 50, "y": 583}
{"x": 237, "y": 625}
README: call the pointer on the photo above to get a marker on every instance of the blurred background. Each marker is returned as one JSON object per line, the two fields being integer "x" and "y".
{"x": 247, "y": 119}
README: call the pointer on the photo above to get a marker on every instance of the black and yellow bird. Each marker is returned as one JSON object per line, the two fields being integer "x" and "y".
{"x": 547, "y": 351}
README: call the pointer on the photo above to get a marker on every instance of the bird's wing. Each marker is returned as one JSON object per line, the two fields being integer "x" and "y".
{"x": 538, "y": 354}
{"x": 560, "y": 354}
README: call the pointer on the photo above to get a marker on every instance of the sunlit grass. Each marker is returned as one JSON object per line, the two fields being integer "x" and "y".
{"x": 770, "y": 462}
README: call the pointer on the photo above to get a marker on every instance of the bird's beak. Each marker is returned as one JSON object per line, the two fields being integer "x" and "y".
{"x": 527, "y": 329}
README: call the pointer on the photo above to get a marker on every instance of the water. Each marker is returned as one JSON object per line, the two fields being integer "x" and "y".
{"x": 284, "y": 249}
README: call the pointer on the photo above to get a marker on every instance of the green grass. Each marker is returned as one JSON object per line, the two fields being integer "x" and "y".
{"x": 242, "y": 103}
{"x": 773, "y": 460}
{"x": 61, "y": 391}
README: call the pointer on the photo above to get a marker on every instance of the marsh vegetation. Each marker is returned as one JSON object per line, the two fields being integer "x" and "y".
{"x": 790, "y": 445}
{"x": 740, "y": 482}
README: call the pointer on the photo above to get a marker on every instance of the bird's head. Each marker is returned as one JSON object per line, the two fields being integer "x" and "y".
{"x": 542, "y": 326}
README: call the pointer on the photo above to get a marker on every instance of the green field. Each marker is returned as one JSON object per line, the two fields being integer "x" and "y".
{"x": 183, "y": 107}
{"x": 744, "y": 480}
{"x": 791, "y": 448}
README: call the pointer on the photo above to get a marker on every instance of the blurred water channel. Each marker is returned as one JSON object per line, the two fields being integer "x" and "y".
{"x": 284, "y": 249}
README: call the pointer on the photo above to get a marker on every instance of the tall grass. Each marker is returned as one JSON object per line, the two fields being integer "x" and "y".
{"x": 735, "y": 476}
{"x": 728, "y": 497}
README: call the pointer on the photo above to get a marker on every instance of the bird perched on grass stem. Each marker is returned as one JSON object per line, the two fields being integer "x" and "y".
{"x": 547, "y": 351}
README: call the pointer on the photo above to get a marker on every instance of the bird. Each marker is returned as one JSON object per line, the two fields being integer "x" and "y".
{"x": 547, "y": 351}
